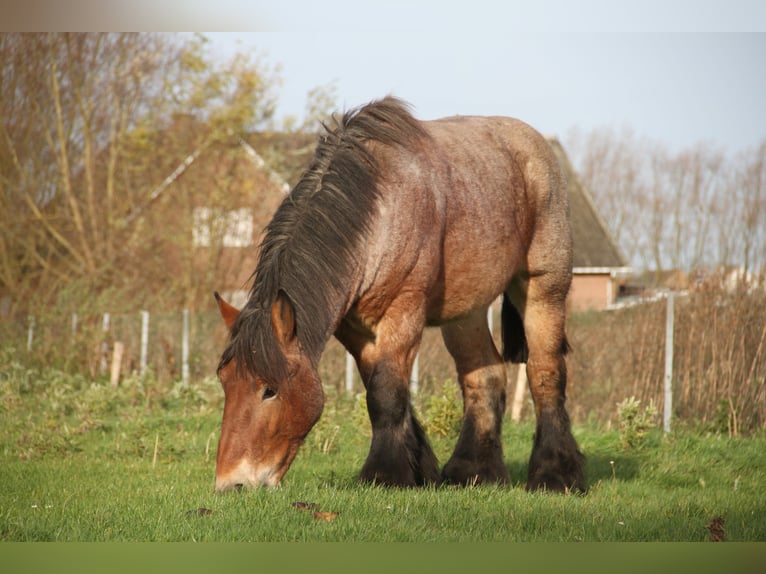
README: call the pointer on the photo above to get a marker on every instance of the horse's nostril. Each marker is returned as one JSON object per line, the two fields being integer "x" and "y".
{"x": 239, "y": 486}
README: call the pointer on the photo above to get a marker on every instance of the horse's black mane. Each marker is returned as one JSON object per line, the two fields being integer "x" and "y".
{"x": 310, "y": 247}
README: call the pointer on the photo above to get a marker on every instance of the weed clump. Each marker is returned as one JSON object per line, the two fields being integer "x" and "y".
{"x": 443, "y": 412}
{"x": 635, "y": 423}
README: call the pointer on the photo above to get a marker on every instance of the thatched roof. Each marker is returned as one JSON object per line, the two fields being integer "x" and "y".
{"x": 593, "y": 244}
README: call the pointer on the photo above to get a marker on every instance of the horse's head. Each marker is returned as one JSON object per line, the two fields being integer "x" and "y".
{"x": 265, "y": 421}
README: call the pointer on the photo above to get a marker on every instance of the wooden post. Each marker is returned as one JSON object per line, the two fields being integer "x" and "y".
{"x": 349, "y": 373}
{"x": 668, "y": 406}
{"x": 518, "y": 395}
{"x": 490, "y": 320}
{"x": 104, "y": 343}
{"x": 144, "y": 340}
{"x": 117, "y": 354}
{"x": 31, "y": 332}
{"x": 185, "y": 350}
{"x": 74, "y": 328}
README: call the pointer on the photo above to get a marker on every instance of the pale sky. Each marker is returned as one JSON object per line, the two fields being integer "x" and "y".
{"x": 675, "y": 88}
{"x": 678, "y": 72}
{"x": 662, "y": 69}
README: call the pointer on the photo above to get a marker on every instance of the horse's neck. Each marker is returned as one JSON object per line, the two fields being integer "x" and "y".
{"x": 323, "y": 328}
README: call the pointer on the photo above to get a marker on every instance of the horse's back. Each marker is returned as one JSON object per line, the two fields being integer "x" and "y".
{"x": 504, "y": 156}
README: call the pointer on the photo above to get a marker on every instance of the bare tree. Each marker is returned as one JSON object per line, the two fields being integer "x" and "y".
{"x": 692, "y": 209}
{"x": 751, "y": 180}
{"x": 81, "y": 150}
{"x": 69, "y": 98}
{"x": 695, "y": 182}
{"x": 613, "y": 166}
{"x": 655, "y": 210}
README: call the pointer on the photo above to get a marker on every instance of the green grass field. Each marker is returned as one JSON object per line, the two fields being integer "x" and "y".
{"x": 84, "y": 462}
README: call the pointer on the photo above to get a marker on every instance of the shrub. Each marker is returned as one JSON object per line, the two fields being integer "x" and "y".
{"x": 443, "y": 412}
{"x": 634, "y": 422}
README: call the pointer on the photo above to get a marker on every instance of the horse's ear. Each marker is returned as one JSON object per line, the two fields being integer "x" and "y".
{"x": 228, "y": 312}
{"x": 283, "y": 319}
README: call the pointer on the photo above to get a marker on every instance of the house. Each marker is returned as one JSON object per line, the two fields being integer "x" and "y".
{"x": 243, "y": 224}
{"x": 211, "y": 198}
{"x": 598, "y": 263}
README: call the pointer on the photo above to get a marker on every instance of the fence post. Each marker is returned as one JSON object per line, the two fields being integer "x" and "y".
{"x": 518, "y": 395}
{"x": 104, "y": 344}
{"x": 415, "y": 376}
{"x": 185, "y": 351}
{"x": 490, "y": 320}
{"x": 74, "y": 328}
{"x": 117, "y": 354}
{"x": 144, "y": 340}
{"x": 349, "y": 372}
{"x": 31, "y": 332}
{"x": 668, "y": 403}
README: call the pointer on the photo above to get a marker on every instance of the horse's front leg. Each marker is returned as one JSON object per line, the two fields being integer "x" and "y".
{"x": 400, "y": 454}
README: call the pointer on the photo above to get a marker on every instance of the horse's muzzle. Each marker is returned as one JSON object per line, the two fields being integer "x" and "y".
{"x": 245, "y": 475}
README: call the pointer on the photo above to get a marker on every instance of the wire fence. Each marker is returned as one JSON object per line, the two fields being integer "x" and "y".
{"x": 165, "y": 345}
{"x": 182, "y": 346}
{"x": 716, "y": 376}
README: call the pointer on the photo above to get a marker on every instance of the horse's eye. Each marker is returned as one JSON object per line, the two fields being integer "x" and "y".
{"x": 269, "y": 393}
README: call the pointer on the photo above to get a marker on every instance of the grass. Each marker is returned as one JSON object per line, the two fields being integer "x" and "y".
{"x": 81, "y": 461}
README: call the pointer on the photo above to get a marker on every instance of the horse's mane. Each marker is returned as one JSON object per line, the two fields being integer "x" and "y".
{"x": 310, "y": 246}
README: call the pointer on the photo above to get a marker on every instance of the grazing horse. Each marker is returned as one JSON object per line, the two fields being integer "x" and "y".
{"x": 399, "y": 224}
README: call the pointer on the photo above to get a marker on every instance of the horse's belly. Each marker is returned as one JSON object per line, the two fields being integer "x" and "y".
{"x": 472, "y": 283}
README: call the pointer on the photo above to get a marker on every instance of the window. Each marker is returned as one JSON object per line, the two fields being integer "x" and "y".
{"x": 233, "y": 228}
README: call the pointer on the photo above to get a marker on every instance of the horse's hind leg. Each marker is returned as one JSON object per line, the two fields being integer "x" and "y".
{"x": 556, "y": 462}
{"x": 478, "y": 455}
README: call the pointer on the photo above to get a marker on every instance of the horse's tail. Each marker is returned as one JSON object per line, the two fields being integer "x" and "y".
{"x": 515, "y": 347}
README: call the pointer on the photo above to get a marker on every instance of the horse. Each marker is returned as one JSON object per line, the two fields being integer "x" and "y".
{"x": 398, "y": 224}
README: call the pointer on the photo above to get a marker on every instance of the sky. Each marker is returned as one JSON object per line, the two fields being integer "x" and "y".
{"x": 678, "y": 72}
{"x": 676, "y": 88}
{"x": 675, "y": 72}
